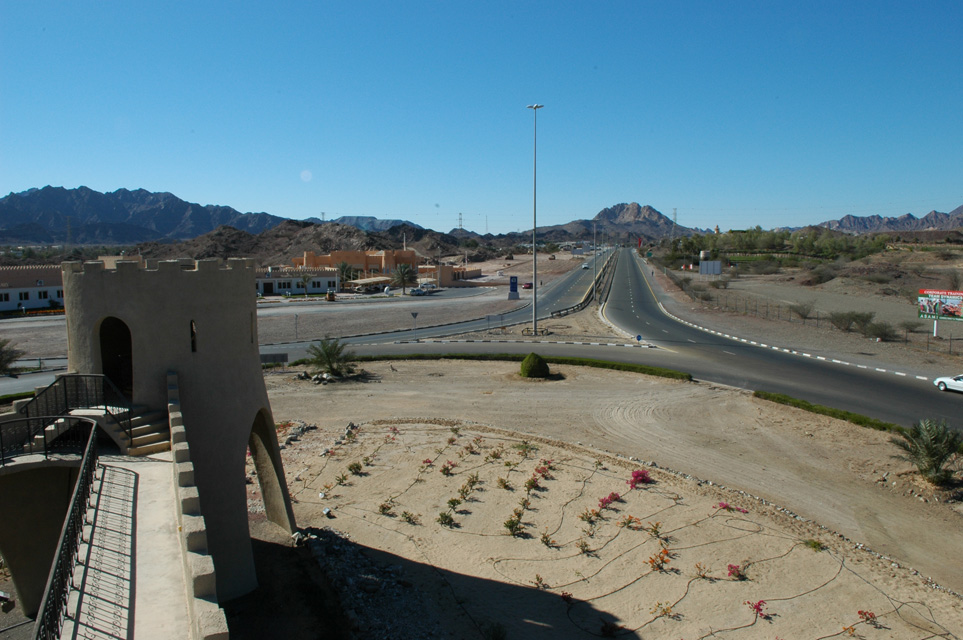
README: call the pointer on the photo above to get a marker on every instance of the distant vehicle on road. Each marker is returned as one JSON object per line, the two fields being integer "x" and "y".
{"x": 954, "y": 383}
{"x": 526, "y": 285}
{"x": 585, "y": 266}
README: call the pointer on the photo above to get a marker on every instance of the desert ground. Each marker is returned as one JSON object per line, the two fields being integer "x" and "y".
{"x": 570, "y": 574}
{"x": 818, "y": 516}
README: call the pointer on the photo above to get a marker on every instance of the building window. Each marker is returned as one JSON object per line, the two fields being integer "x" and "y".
{"x": 24, "y": 295}
{"x": 332, "y": 284}
{"x": 42, "y": 295}
{"x": 4, "y": 297}
{"x": 60, "y": 293}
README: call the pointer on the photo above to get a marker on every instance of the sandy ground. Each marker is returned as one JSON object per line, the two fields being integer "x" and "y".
{"x": 597, "y": 427}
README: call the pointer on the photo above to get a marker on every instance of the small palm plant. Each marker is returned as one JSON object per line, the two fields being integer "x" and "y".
{"x": 404, "y": 276}
{"x": 346, "y": 273}
{"x": 930, "y": 445}
{"x": 329, "y": 356}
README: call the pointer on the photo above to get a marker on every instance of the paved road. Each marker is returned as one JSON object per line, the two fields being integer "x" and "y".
{"x": 634, "y": 306}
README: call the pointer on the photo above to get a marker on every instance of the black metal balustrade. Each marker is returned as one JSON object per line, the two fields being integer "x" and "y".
{"x": 53, "y": 609}
{"x": 17, "y": 436}
{"x": 80, "y": 391}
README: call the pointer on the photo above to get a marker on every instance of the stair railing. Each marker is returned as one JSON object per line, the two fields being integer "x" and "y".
{"x": 80, "y": 391}
{"x": 53, "y": 609}
{"x": 16, "y": 436}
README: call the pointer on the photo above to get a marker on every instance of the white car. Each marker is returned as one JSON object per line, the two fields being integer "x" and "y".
{"x": 953, "y": 384}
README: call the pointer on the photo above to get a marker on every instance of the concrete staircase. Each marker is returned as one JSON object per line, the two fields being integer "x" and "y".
{"x": 150, "y": 431}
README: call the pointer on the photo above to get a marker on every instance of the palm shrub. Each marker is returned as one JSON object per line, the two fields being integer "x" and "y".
{"x": 329, "y": 356}
{"x": 930, "y": 445}
{"x": 534, "y": 366}
{"x": 8, "y": 355}
{"x": 346, "y": 273}
{"x": 404, "y": 276}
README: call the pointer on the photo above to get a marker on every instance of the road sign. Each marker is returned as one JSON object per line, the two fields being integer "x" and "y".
{"x": 639, "y": 338}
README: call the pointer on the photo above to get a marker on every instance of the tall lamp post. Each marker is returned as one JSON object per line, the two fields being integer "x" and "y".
{"x": 534, "y": 108}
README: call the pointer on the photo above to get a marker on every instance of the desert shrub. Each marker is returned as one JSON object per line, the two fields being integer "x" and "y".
{"x": 910, "y": 326}
{"x": 878, "y": 278}
{"x": 930, "y": 445}
{"x": 880, "y": 331}
{"x": 765, "y": 267}
{"x": 842, "y": 320}
{"x": 822, "y": 273}
{"x": 534, "y": 366}
{"x": 862, "y": 320}
{"x": 802, "y": 309}
{"x": 721, "y": 283}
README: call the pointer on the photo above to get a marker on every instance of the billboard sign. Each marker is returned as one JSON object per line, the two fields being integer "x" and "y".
{"x": 937, "y": 304}
{"x": 710, "y": 268}
{"x": 513, "y": 284}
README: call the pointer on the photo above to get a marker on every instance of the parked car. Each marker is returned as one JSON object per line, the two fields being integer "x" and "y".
{"x": 954, "y": 383}
{"x": 526, "y": 285}
{"x": 427, "y": 286}
{"x": 417, "y": 292}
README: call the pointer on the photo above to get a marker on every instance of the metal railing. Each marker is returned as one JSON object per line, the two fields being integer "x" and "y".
{"x": 53, "y": 609}
{"x": 17, "y": 436}
{"x": 80, "y": 391}
{"x": 602, "y": 283}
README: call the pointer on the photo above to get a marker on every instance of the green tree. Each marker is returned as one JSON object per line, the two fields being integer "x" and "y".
{"x": 345, "y": 273}
{"x": 930, "y": 445}
{"x": 329, "y": 356}
{"x": 404, "y": 276}
{"x": 8, "y": 355}
{"x": 305, "y": 280}
{"x": 534, "y": 366}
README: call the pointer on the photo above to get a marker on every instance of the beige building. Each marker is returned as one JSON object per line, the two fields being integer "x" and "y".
{"x": 368, "y": 263}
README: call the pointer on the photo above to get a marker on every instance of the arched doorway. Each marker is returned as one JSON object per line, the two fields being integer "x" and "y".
{"x": 116, "y": 356}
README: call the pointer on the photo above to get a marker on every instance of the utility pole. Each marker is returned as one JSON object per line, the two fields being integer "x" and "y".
{"x": 534, "y": 108}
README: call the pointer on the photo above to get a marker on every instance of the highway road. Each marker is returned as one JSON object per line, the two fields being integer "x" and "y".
{"x": 634, "y": 306}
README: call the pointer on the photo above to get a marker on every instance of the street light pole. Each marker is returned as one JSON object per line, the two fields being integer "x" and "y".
{"x": 534, "y": 108}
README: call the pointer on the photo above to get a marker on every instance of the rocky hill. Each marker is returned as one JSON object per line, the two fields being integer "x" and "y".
{"x": 932, "y": 221}
{"x": 55, "y": 215}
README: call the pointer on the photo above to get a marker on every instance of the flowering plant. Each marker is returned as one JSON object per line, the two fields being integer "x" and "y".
{"x": 639, "y": 476}
{"x": 725, "y": 506}
{"x": 868, "y": 617}
{"x": 738, "y": 572}
{"x": 758, "y": 608}
{"x": 447, "y": 467}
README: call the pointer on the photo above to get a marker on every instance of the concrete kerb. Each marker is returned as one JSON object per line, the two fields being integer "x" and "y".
{"x": 208, "y": 621}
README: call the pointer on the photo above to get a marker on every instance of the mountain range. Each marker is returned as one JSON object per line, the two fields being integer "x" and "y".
{"x": 55, "y": 215}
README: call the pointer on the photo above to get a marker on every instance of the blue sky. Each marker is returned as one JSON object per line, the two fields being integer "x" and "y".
{"x": 734, "y": 113}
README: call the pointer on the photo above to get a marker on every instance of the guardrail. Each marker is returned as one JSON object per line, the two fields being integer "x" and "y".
{"x": 53, "y": 608}
{"x": 16, "y": 436}
{"x": 603, "y": 277}
{"x": 80, "y": 391}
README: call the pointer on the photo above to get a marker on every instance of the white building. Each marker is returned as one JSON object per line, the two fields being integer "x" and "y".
{"x": 31, "y": 287}
{"x": 274, "y": 281}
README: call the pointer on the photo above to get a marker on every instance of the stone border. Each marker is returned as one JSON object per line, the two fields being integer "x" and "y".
{"x": 208, "y": 621}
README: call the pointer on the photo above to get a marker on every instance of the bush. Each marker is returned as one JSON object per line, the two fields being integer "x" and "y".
{"x": 842, "y": 320}
{"x": 822, "y": 273}
{"x": 862, "y": 320}
{"x": 930, "y": 445}
{"x": 534, "y": 366}
{"x": 910, "y": 326}
{"x": 880, "y": 331}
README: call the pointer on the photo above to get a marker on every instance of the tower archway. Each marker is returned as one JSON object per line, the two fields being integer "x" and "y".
{"x": 263, "y": 445}
{"x": 116, "y": 354}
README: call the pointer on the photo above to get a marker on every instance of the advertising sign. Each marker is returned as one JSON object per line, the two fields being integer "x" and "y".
{"x": 513, "y": 284}
{"x": 936, "y": 304}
